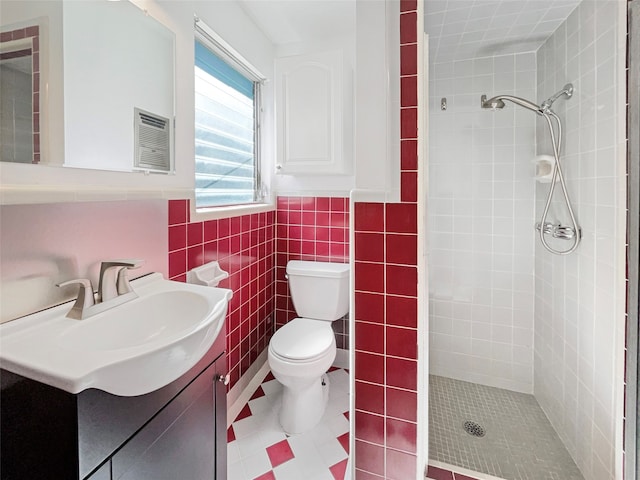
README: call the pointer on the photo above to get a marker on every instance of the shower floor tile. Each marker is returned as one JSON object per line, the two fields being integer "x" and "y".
{"x": 518, "y": 443}
{"x": 258, "y": 449}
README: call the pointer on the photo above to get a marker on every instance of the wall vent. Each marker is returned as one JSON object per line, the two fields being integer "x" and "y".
{"x": 153, "y": 142}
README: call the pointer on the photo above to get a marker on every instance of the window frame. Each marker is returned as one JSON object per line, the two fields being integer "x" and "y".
{"x": 212, "y": 41}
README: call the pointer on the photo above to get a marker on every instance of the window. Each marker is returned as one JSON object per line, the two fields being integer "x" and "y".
{"x": 227, "y": 107}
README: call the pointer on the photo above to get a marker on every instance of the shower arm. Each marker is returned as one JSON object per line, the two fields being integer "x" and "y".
{"x": 557, "y": 173}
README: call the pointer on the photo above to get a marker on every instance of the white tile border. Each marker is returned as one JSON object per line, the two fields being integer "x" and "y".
{"x": 462, "y": 471}
{"x": 241, "y": 392}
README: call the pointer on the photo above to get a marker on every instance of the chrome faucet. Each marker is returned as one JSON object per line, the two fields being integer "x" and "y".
{"x": 113, "y": 289}
{"x": 110, "y": 286}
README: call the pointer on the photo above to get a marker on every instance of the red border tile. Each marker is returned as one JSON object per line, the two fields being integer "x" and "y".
{"x": 369, "y": 307}
{"x": 438, "y": 473}
{"x": 400, "y": 465}
{"x": 369, "y": 217}
{"x": 369, "y": 397}
{"x": 369, "y": 457}
{"x": 401, "y": 435}
{"x": 408, "y": 27}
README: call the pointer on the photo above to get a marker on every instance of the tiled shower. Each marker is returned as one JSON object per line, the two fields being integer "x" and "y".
{"x": 503, "y": 311}
{"x": 481, "y": 223}
{"x": 579, "y": 299}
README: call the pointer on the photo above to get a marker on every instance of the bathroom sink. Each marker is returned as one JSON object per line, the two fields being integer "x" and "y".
{"x": 131, "y": 349}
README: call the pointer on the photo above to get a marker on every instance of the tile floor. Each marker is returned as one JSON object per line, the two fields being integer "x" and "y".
{"x": 519, "y": 441}
{"x": 258, "y": 449}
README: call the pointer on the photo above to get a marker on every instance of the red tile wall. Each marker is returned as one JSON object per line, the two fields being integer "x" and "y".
{"x": 386, "y": 357}
{"x": 244, "y": 247}
{"x": 310, "y": 228}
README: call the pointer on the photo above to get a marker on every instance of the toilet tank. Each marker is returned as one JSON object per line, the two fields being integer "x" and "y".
{"x": 319, "y": 290}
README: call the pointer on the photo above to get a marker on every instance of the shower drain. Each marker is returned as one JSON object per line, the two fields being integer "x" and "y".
{"x": 473, "y": 428}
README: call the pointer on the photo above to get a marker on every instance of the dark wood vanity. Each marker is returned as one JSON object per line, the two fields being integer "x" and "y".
{"x": 175, "y": 432}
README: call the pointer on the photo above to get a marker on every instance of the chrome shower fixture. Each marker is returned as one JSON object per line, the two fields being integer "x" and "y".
{"x": 497, "y": 102}
{"x": 572, "y": 233}
{"x": 567, "y": 91}
{"x": 493, "y": 104}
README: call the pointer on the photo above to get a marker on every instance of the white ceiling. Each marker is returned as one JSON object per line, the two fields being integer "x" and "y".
{"x": 458, "y": 29}
{"x": 295, "y": 21}
{"x": 462, "y": 29}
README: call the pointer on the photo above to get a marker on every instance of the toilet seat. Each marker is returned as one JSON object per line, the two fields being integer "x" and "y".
{"x": 302, "y": 340}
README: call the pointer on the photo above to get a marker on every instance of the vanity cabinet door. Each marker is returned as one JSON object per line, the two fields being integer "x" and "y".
{"x": 179, "y": 442}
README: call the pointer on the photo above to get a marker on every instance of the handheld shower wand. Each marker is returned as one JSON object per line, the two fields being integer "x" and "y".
{"x": 557, "y": 231}
{"x": 567, "y": 91}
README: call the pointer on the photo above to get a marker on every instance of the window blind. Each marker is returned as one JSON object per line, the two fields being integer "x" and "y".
{"x": 225, "y": 132}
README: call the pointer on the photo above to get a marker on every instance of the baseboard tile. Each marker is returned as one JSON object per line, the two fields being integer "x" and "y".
{"x": 241, "y": 392}
{"x": 462, "y": 471}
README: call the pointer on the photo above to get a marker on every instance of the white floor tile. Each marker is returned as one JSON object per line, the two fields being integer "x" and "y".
{"x": 337, "y": 405}
{"x": 256, "y": 464}
{"x": 271, "y": 387}
{"x": 340, "y": 380}
{"x": 338, "y": 424}
{"x": 322, "y": 475}
{"x": 249, "y": 445}
{"x": 302, "y": 446}
{"x": 320, "y": 434}
{"x": 307, "y": 455}
{"x": 331, "y": 452}
{"x": 233, "y": 452}
{"x": 260, "y": 404}
{"x": 235, "y": 471}
{"x": 247, "y": 426}
{"x": 289, "y": 471}
{"x": 269, "y": 437}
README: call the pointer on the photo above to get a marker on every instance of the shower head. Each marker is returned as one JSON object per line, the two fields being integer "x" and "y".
{"x": 498, "y": 102}
{"x": 567, "y": 91}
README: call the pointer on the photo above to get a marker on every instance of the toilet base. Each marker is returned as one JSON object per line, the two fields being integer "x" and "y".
{"x": 302, "y": 409}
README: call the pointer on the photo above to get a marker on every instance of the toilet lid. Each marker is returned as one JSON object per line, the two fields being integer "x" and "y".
{"x": 302, "y": 339}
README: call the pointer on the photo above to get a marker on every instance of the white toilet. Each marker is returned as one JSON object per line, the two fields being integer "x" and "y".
{"x": 301, "y": 352}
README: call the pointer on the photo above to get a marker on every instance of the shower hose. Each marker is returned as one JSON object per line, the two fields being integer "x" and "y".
{"x": 573, "y": 233}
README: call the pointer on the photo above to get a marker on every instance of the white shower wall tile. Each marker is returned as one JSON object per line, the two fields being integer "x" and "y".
{"x": 579, "y": 302}
{"x": 481, "y": 212}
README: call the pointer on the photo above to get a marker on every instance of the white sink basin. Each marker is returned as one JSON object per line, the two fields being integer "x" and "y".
{"x": 131, "y": 349}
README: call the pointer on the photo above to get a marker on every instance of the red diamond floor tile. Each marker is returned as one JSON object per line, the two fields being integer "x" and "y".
{"x": 269, "y": 377}
{"x": 258, "y": 393}
{"x": 344, "y": 441}
{"x": 244, "y": 413}
{"x": 338, "y": 470}
{"x": 266, "y": 476}
{"x": 231, "y": 435}
{"x": 279, "y": 453}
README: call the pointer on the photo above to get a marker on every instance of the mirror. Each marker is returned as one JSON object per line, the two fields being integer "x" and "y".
{"x": 76, "y": 77}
